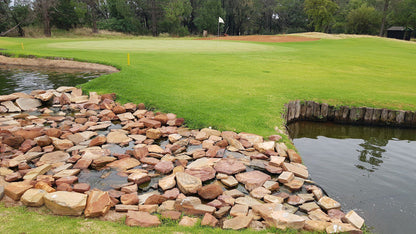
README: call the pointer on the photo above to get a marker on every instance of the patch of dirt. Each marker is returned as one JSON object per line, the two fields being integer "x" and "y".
{"x": 319, "y": 35}
{"x": 263, "y": 38}
{"x": 40, "y": 62}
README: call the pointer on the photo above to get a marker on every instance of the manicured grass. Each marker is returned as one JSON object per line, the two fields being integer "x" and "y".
{"x": 26, "y": 220}
{"x": 243, "y": 86}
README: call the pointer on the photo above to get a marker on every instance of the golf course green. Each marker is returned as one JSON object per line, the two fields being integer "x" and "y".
{"x": 241, "y": 86}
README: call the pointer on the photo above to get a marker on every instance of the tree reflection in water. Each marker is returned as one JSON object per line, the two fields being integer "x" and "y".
{"x": 373, "y": 149}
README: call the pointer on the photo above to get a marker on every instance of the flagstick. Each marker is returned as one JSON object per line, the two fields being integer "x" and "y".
{"x": 218, "y": 28}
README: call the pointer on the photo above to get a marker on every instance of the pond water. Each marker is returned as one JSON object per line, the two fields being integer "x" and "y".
{"x": 369, "y": 169}
{"x": 23, "y": 79}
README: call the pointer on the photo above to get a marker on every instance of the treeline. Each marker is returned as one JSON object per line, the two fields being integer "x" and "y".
{"x": 185, "y": 17}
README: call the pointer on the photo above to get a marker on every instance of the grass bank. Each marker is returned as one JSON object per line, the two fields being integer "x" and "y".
{"x": 242, "y": 86}
{"x": 28, "y": 220}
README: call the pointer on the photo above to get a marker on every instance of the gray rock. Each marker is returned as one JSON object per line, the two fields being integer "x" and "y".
{"x": 28, "y": 103}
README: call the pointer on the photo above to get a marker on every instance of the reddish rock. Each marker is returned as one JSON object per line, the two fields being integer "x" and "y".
{"x": 44, "y": 186}
{"x": 140, "y": 152}
{"x": 275, "y": 138}
{"x": 171, "y": 214}
{"x": 99, "y": 140}
{"x": 66, "y": 180}
{"x": 229, "y": 166}
{"x": 142, "y": 219}
{"x": 111, "y": 96}
{"x": 15, "y": 190}
{"x": 149, "y": 160}
{"x": 139, "y": 178}
{"x": 163, "y": 118}
{"x": 149, "y": 123}
{"x": 43, "y": 141}
{"x": 64, "y": 187}
{"x": 212, "y": 151}
{"x": 12, "y": 177}
{"x": 29, "y": 134}
{"x": 171, "y": 194}
{"x": 203, "y": 173}
{"x": 210, "y": 191}
{"x": 119, "y": 109}
{"x": 155, "y": 199}
{"x": 53, "y": 132}
{"x": 164, "y": 167}
{"x": 13, "y": 141}
{"x": 293, "y": 156}
{"x": 129, "y": 199}
{"x": 274, "y": 169}
{"x": 83, "y": 163}
{"x": 336, "y": 214}
{"x": 252, "y": 179}
{"x": 98, "y": 204}
{"x": 81, "y": 187}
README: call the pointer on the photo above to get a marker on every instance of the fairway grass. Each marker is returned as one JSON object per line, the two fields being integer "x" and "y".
{"x": 242, "y": 86}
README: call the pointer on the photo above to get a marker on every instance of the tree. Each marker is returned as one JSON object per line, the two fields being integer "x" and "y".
{"x": 363, "y": 20}
{"x": 320, "y": 13}
{"x": 14, "y": 16}
{"x": 238, "y": 15}
{"x": 292, "y": 17}
{"x": 404, "y": 13}
{"x": 176, "y": 14}
{"x": 45, "y": 9}
{"x": 207, "y": 16}
{"x": 64, "y": 15}
{"x": 383, "y": 20}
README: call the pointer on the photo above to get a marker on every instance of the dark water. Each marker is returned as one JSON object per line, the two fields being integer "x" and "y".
{"x": 369, "y": 169}
{"x": 22, "y": 79}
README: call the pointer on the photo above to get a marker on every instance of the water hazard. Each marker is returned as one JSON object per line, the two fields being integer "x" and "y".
{"x": 370, "y": 168}
{"x": 23, "y": 79}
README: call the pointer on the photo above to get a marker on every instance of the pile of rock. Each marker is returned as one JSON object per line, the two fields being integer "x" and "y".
{"x": 232, "y": 180}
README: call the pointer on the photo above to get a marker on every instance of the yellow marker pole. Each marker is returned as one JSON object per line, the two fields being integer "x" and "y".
{"x": 128, "y": 59}
{"x": 23, "y": 48}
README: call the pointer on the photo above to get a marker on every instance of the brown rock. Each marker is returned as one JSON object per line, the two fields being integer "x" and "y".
{"x": 210, "y": 191}
{"x": 139, "y": 178}
{"x": 171, "y": 194}
{"x": 295, "y": 184}
{"x": 155, "y": 199}
{"x": 204, "y": 173}
{"x": 66, "y": 203}
{"x": 102, "y": 161}
{"x": 124, "y": 164}
{"x": 66, "y": 180}
{"x": 293, "y": 156}
{"x": 44, "y": 186}
{"x": 209, "y": 220}
{"x": 99, "y": 140}
{"x": 81, "y": 187}
{"x": 148, "y": 208}
{"x": 316, "y": 225}
{"x": 43, "y": 141}
{"x": 125, "y": 208}
{"x": 98, "y": 204}
{"x": 297, "y": 169}
{"x": 33, "y": 197}
{"x": 188, "y": 184}
{"x": 153, "y": 133}
{"x": 188, "y": 221}
{"x": 239, "y": 210}
{"x": 354, "y": 219}
{"x": 129, "y": 199}
{"x": 15, "y": 190}
{"x": 328, "y": 203}
{"x": 164, "y": 167}
{"x": 229, "y": 166}
{"x": 259, "y": 192}
{"x": 252, "y": 179}
{"x": 149, "y": 123}
{"x": 142, "y": 219}
{"x": 83, "y": 163}
{"x": 171, "y": 214}
{"x": 238, "y": 222}
{"x": 64, "y": 187}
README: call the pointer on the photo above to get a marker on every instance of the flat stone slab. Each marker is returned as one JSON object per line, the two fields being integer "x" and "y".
{"x": 28, "y": 103}
{"x": 66, "y": 203}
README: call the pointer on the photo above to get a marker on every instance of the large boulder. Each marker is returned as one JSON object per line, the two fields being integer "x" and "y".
{"x": 15, "y": 190}
{"x": 33, "y": 197}
{"x": 66, "y": 203}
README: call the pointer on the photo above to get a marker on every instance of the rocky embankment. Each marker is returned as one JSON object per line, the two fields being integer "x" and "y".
{"x": 230, "y": 180}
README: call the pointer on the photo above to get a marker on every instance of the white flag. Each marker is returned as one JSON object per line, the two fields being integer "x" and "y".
{"x": 220, "y": 20}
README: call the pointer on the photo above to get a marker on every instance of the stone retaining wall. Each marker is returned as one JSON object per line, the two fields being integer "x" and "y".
{"x": 313, "y": 111}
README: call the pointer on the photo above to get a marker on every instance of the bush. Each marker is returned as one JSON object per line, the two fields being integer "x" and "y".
{"x": 363, "y": 20}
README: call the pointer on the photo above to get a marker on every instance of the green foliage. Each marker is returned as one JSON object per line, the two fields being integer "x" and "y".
{"x": 321, "y": 14}
{"x": 292, "y": 17}
{"x": 363, "y": 20}
{"x": 404, "y": 13}
{"x": 64, "y": 15}
{"x": 177, "y": 13}
{"x": 207, "y": 16}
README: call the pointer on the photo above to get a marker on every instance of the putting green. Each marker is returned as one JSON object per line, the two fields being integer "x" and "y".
{"x": 168, "y": 46}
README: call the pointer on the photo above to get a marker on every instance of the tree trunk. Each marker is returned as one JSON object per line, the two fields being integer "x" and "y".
{"x": 154, "y": 18}
{"x": 383, "y": 21}
{"x": 46, "y": 23}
